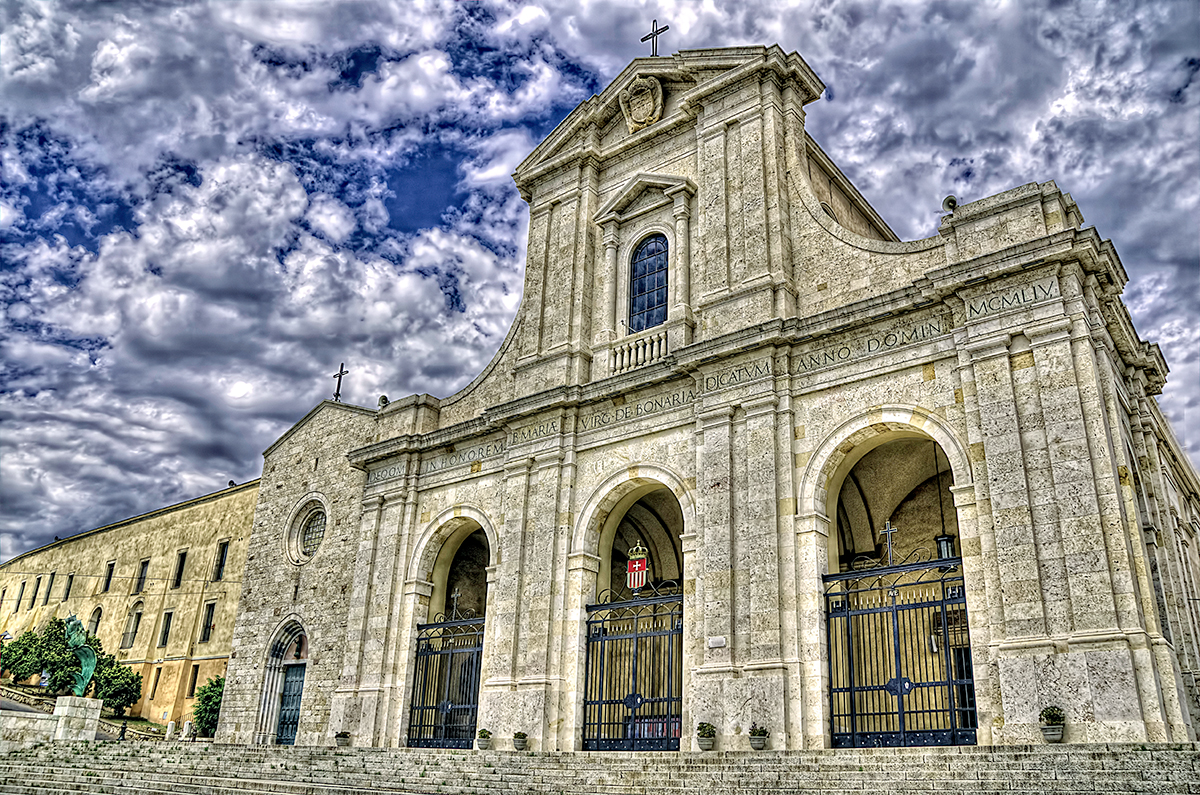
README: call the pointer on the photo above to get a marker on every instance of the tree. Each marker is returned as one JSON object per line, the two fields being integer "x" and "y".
{"x": 208, "y": 706}
{"x": 22, "y": 657}
{"x": 114, "y": 682}
{"x": 57, "y": 659}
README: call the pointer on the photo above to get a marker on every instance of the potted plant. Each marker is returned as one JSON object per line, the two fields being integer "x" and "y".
{"x": 706, "y": 736}
{"x": 758, "y": 736}
{"x": 484, "y": 740}
{"x": 1053, "y": 718}
{"x": 342, "y": 739}
{"x": 520, "y": 740}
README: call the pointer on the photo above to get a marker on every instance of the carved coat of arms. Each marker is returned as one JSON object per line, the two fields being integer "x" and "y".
{"x": 641, "y": 102}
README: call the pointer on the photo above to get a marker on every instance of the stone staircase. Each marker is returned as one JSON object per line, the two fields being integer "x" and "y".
{"x": 155, "y": 768}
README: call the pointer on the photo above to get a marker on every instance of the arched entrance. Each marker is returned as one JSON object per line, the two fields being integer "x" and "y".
{"x": 633, "y": 675}
{"x": 444, "y": 707}
{"x": 899, "y": 653}
{"x": 283, "y": 686}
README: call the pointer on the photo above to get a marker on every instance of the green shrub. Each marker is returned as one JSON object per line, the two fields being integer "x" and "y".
{"x": 208, "y": 706}
{"x": 114, "y": 682}
{"x": 1053, "y": 716}
{"x": 22, "y": 657}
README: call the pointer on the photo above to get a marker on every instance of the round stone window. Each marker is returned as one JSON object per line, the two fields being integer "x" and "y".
{"x": 307, "y": 532}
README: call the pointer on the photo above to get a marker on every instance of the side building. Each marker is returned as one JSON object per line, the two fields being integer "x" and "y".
{"x": 160, "y": 590}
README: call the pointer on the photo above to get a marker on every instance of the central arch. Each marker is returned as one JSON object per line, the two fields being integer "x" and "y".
{"x": 631, "y": 677}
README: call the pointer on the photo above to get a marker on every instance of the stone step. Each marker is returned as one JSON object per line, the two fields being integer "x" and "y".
{"x": 151, "y": 769}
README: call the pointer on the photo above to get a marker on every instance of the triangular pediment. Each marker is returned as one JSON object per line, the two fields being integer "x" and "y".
{"x": 641, "y": 193}
{"x": 688, "y": 77}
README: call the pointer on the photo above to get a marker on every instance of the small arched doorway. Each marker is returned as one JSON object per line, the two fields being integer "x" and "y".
{"x": 444, "y": 707}
{"x": 633, "y": 676}
{"x": 283, "y": 686}
{"x": 295, "y": 663}
{"x": 900, "y": 667}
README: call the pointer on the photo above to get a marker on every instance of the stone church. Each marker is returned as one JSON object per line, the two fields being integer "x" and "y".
{"x": 745, "y": 457}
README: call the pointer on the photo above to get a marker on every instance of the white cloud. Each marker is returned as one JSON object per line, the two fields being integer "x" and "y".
{"x": 157, "y": 361}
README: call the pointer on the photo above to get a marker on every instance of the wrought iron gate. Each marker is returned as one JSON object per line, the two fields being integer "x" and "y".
{"x": 445, "y": 697}
{"x": 633, "y": 696}
{"x": 289, "y": 704}
{"x": 900, "y": 670}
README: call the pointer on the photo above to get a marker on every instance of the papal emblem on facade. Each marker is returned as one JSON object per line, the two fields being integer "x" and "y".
{"x": 642, "y": 103}
{"x": 635, "y": 572}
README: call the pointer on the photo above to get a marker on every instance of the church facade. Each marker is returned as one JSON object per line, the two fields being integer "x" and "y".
{"x": 744, "y": 458}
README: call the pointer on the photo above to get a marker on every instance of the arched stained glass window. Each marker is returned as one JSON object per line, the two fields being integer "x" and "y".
{"x": 648, "y": 284}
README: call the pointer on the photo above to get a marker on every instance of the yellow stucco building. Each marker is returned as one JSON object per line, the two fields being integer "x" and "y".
{"x": 160, "y": 590}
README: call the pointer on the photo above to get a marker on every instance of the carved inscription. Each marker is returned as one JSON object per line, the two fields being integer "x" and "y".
{"x": 470, "y": 455}
{"x": 641, "y": 408}
{"x": 385, "y": 473}
{"x": 531, "y": 432}
{"x": 1028, "y": 294}
{"x": 737, "y": 375}
{"x": 850, "y": 350}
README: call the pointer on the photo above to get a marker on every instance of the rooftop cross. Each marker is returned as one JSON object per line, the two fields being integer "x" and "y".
{"x": 337, "y": 393}
{"x": 652, "y": 37}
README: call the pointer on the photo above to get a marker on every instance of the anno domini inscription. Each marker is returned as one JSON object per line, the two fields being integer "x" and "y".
{"x": 848, "y": 351}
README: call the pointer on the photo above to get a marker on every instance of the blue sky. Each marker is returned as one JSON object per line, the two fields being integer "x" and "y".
{"x": 206, "y": 206}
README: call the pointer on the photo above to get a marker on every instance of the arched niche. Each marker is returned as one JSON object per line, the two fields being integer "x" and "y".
{"x": 437, "y": 560}
{"x": 902, "y": 483}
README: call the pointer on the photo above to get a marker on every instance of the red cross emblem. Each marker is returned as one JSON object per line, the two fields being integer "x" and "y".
{"x": 635, "y": 571}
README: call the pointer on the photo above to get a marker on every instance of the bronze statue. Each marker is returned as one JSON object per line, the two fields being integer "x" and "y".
{"x": 77, "y": 642}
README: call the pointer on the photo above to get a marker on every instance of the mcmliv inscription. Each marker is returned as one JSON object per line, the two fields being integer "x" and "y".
{"x": 1027, "y": 294}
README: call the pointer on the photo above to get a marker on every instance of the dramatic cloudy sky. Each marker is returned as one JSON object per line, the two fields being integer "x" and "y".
{"x": 206, "y": 206}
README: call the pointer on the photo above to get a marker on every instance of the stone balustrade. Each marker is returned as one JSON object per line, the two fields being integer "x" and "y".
{"x": 630, "y": 353}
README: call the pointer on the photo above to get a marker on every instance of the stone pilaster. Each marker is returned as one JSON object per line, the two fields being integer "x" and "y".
{"x": 1016, "y": 546}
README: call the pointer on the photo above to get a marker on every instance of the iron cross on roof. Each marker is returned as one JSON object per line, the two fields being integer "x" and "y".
{"x": 652, "y": 36}
{"x": 337, "y": 393}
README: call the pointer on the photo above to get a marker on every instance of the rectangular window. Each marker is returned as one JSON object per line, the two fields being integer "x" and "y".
{"x": 192, "y": 681}
{"x": 143, "y": 570}
{"x": 108, "y": 575}
{"x": 49, "y": 588}
{"x": 206, "y": 628}
{"x": 165, "y": 635}
{"x": 20, "y": 596}
{"x": 219, "y": 567}
{"x": 33, "y": 599}
{"x": 67, "y": 587}
{"x": 154, "y": 687}
{"x": 179, "y": 564}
